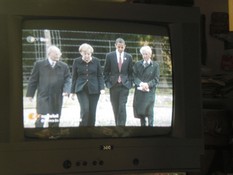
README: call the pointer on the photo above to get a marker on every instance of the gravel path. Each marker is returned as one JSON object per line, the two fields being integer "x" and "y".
{"x": 104, "y": 113}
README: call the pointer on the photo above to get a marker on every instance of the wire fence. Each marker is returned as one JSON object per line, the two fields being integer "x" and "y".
{"x": 35, "y": 42}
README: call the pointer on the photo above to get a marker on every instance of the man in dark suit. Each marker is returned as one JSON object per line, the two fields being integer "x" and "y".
{"x": 52, "y": 80}
{"x": 118, "y": 78}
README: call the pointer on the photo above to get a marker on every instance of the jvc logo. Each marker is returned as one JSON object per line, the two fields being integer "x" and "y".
{"x": 106, "y": 147}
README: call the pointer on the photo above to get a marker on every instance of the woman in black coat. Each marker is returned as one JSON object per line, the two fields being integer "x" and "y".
{"x": 87, "y": 84}
{"x": 146, "y": 77}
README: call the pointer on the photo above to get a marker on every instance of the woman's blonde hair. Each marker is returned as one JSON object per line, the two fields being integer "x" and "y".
{"x": 86, "y": 47}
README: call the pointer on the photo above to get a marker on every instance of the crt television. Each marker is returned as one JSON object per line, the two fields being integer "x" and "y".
{"x": 173, "y": 144}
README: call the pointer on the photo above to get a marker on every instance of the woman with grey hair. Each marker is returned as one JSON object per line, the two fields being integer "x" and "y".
{"x": 146, "y": 77}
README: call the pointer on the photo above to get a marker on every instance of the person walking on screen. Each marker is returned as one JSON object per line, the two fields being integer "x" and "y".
{"x": 87, "y": 84}
{"x": 52, "y": 80}
{"x": 146, "y": 77}
{"x": 118, "y": 78}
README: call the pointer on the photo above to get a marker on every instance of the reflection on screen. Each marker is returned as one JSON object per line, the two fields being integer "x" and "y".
{"x": 35, "y": 42}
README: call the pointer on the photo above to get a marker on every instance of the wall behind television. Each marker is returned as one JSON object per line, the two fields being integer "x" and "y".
{"x": 215, "y": 47}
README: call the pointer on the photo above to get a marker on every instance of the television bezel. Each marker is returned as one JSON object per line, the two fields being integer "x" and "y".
{"x": 180, "y": 151}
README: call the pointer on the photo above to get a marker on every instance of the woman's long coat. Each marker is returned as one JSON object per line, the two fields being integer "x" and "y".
{"x": 143, "y": 103}
{"x": 50, "y": 83}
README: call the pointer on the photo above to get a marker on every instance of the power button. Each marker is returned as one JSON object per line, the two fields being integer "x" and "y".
{"x": 67, "y": 164}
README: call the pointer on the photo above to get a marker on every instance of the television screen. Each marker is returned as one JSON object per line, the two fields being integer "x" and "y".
{"x": 39, "y": 35}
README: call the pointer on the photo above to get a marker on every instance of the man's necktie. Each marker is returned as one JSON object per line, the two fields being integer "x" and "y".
{"x": 119, "y": 66}
{"x": 119, "y": 62}
{"x": 53, "y": 64}
{"x": 146, "y": 64}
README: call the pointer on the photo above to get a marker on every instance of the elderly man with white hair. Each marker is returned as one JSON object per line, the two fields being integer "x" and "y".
{"x": 146, "y": 78}
{"x": 51, "y": 79}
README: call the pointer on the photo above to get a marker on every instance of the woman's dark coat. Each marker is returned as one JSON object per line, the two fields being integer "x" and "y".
{"x": 83, "y": 73}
